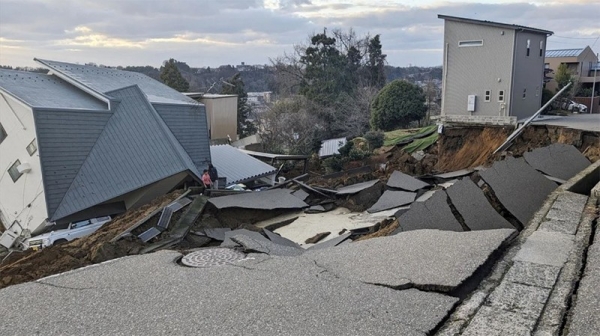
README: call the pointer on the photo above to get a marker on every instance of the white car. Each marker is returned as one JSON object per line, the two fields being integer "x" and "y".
{"x": 574, "y": 106}
{"x": 74, "y": 231}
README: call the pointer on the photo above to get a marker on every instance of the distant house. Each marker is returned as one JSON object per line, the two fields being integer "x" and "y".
{"x": 580, "y": 62}
{"x": 221, "y": 114}
{"x": 493, "y": 72}
{"x": 82, "y": 142}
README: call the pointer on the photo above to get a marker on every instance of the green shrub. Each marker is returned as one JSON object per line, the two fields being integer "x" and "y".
{"x": 345, "y": 149}
{"x": 335, "y": 163}
{"x": 358, "y": 154}
{"x": 375, "y": 139}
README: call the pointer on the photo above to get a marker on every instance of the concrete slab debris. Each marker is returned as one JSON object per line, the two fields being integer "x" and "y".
{"x": 149, "y": 234}
{"x": 557, "y": 160}
{"x": 401, "y": 211}
{"x": 290, "y": 291}
{"x": 454, "y": 174}
{"x": 475, "y": 209}
{"x": 521, "y": 189}
{"x": 315, "y": 209}
{"x": 261, "y": 200}
{"x": 301, "y": 194}
{"x": 425, "y": 195}
{"x": 331, "y": 242}
{"x": 250, "y": 244}
{"x": 356, "y": 188}
{"x": 277, "y": 239}
{"x": 435, "y": 213}
{"x": 409, "y": 258}
{"x": 216, "y": 233}
{"x": 403, "y": 181}
{"x": 228, "y": 242}
{"x": 392, "y": 199}
{"x": 546, "y": 248}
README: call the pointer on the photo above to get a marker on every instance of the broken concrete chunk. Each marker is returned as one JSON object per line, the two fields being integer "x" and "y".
{"x": 403, "y": 181}
{"x": 301, "y": 194}
{"x": 454, "y": 174}
{"x": 428, "y": 259}
{"x": 216, "y": 233}
{"x": 250, "y": 244}
{"x": 521, "y": 189}
{"x": 557, "y": 160}
{"x": 318, "y": 237}
{"x": 228, "y": 242}
{"x": 355, "y": 188}
{"x": 474, "y": 208}
{"x": 392, "y": 199}
{"x": 331, "y": 242}
{"x": 277, "y": 239}
{"x": 261, "y": 200}
{"x": 435, "y": 213}
{"x": 315, "y": 209}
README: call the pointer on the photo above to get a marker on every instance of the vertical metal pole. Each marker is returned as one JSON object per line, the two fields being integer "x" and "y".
{"x": 594, "y": 84}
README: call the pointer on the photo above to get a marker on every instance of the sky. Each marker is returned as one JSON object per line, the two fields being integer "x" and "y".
{"x": 218, "y": 32}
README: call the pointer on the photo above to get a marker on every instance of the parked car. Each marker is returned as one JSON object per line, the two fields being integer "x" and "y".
{"x": 570, "y": 105}
{"x": 74, "y": 231}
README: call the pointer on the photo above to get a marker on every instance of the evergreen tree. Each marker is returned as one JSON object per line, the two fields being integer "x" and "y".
{"x": 396, "y": 105}
{"x": 171, "y": 76}
{"x": 235, "y": 85}
{"x": 376, "y": 63}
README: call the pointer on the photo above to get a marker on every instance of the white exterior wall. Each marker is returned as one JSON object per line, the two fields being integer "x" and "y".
{"x": 22, "y": 200}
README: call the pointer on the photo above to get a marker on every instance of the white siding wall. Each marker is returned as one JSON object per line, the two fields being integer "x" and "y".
{"x": 474, "y": 70}
{"x": 22, "y": 200}
{"x": 528, "y": 74}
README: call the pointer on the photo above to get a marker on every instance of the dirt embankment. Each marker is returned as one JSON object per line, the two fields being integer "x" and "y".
{"x": 96, "y": 248}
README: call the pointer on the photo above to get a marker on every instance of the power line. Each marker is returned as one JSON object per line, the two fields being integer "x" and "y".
{"x": 575, "y": 38}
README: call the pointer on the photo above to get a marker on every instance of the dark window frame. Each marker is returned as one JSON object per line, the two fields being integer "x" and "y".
{"x": 3, "y": 134}
{"x": 14, "y": 172}
{"x": 34, "y": 150}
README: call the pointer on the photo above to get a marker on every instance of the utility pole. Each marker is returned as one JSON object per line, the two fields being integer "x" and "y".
{"x": 594, "y": 84}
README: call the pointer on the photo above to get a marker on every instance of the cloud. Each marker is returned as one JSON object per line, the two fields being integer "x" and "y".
{"x": 211, "y": 33}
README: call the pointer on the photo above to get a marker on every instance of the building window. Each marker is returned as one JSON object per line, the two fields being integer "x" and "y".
{"x": 524, "y": 93}
{"x": 2, "y": 133}
{"x": 472, "y": 43}
{"x": 488, "y": 94}
{"x": 541, "y": 48}
{"x": 31, "y": 148}
{"x": 528, "y": 46}
{"x": 501, "y": 95}
{"x": 14, "y": 172}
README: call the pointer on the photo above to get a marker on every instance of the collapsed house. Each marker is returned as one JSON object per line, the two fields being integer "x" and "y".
{"x": 83, "y": 141}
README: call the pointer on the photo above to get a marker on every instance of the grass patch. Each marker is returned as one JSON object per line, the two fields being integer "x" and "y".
{"x": 421, "y": 144}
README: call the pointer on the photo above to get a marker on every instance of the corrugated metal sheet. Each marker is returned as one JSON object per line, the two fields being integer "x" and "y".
{"x": 40, "y": 90}
{"x": 135, "y": 149}
{"x": 188, "y": 124}
{"x": 238, "y": 166}
{"x": 330, "y": 147}
{"x": 105, "y": 80}
{"x": 563, "y": 53}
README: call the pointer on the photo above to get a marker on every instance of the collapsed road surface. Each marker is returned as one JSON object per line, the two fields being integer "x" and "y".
{"x": 395, "y": 285}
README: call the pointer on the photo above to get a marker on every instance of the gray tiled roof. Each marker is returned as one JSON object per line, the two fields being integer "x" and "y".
{"x": 238, "y": 166}
{"x": 41, "y": 90}
{"x": 134, "y": 149}
{"x": 106, "y": 79}
{"x": 563, "y": 53}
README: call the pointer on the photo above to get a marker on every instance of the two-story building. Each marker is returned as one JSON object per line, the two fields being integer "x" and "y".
{"x": 493, "y": 72}
{"x": 581, "y": 63}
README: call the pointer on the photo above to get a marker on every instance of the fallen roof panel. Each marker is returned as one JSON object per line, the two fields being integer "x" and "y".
{"x": 521, "y": 189}
{"x": 475, "y": 209}
{"x": 400, "y": 180}
{"x": 260, "y": 200}
{"x": 435, "y": 213}
{"x": 557, "y": 160}
{"x": 238, "y": 166}
{"x": 392, "y": 199}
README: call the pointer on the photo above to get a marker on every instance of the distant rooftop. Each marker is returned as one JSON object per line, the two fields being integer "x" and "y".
{"x": 495, "y": 24}
{"x": 564, "y": 52}
{"x": 41, "y": 90}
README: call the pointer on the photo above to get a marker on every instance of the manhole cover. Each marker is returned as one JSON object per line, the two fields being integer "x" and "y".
{"x": 212, "y": 257}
